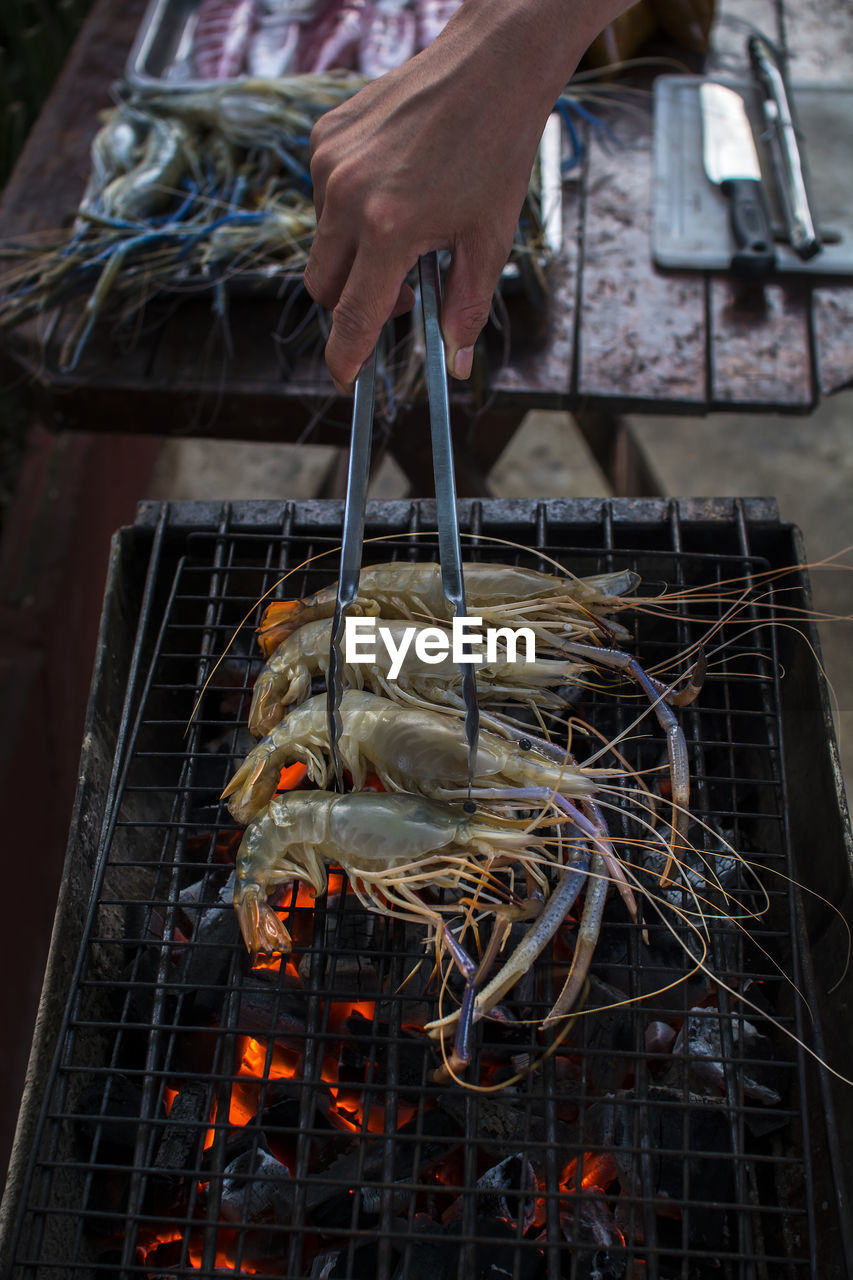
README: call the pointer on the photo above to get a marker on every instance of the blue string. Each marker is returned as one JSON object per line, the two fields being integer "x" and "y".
{"x": 569, "y": 108}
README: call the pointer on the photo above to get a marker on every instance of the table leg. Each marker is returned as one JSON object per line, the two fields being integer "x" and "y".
{"x": 478, "y": 442}
{"x": 618, "y": 453}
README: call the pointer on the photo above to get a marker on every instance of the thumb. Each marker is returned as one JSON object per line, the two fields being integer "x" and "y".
{"x": 467, "y": 302}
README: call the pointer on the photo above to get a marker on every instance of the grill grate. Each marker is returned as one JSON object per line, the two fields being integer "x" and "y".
{"x": 202, "y": 1119}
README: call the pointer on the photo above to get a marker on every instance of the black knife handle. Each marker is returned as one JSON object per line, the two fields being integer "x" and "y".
{"x": 755, "y": 254}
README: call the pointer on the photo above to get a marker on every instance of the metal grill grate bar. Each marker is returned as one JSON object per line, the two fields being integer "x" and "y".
{"x": 311, "y": 1091}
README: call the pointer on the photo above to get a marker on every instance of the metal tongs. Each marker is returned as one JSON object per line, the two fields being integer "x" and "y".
{"x": 449, "y": 549}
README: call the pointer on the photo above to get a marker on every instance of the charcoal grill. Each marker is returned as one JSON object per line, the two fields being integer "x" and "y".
{"x": 187, "y": 1117}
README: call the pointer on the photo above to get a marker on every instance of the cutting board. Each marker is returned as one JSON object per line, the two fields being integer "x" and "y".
{"x": 690, "y": 228}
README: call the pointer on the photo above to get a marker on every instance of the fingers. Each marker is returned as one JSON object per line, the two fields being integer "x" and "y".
{"x": 328, "y": 267}
{"x": 471, "y": 282}
{"x": 373, "y": 292}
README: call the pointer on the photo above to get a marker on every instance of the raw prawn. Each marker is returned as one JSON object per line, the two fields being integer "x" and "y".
{"x": 392, "y": 847}
{"x": 332, "y": 40}
{"x": 144, "y": 189}
{"x": 388, "y": 38}
{"x": 286, "y": 678}
{"x": 418, "y": 750}
{"x": 432, "y": 17}
{"x": 222, "y": 34}
{"x": 411, "y": 749}
{"x": 503, "y": 594}
{"x": 273, "y": 50}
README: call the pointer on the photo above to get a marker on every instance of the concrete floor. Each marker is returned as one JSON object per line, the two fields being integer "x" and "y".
{"x": 805, "y": 463}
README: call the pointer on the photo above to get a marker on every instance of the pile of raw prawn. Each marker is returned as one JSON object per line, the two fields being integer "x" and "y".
{"x": 524, "y": 841}
{"x": 205, "y": 187}
{"x": 283, "y": 37}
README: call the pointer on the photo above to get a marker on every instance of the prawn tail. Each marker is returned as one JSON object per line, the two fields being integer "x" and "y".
{"x": 265, "y": 711}
{"x": 260, "y": 926}
{"x": 275, "y": 690}
{"x": 280, "y": 620}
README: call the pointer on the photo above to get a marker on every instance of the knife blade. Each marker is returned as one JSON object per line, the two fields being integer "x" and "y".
{"x": 784, "y": 149}
{"x": 731, "y": 162}
{"x": 449, "y": 548}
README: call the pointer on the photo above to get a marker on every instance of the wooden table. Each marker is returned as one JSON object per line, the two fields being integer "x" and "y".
{"x": 620, "y": 335}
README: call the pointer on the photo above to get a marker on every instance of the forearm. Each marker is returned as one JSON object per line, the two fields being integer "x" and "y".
{"x": 546, "y": 38}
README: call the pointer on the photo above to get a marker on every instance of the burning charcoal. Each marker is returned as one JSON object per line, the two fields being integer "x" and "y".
{"x": 206, "y": 892}
{"x": 215, "y": 937}
{"x": 365, "y": 1043}
{"x": 269, "y": 1005}
{"x": 669, "y": 1127}
{"x": 496, "y": 1254}
{"x": 348, "y": 940}
{"x": 332, "y": 1204}
{"x": 700, "y": 1041}
{"x": 587, "y": 1222}
{"x": 505, "y": 1123}
{"x": 603, "y": 1035}
{"x": 257, "y": 1188}
{"x": 696, "y": 871}
{"x": 664, "y": 969}
{"x": 178, "y": 1151}
{"x": 257, "y": 1195}
{"x": 323, "y": 1265}
{"x": 282, "y": 1101}
{"x": 659, "y": 1037}
{"x": 109, "y": 1114}
{"x": 514, "y": 1189}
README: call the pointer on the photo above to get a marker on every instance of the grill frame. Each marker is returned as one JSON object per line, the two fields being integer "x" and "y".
{"x": 746, "y": 528}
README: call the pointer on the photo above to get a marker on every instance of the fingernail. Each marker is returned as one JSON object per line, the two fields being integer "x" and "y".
{"x": 462, "y": 362}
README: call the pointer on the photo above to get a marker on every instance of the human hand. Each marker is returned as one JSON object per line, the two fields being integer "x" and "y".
{"x": 436, "y": 154}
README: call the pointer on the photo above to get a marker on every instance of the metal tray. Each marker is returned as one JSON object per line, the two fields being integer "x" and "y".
{"x": 160, "y": 55}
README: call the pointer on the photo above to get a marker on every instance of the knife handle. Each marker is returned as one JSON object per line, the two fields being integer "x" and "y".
{"x": 755, "y": 254}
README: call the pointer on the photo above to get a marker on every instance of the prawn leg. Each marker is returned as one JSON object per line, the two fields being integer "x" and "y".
{"x": 461, "y": 1053}
{"x": 676, "y": 745}
{"x": 593, "y": 827}
{"x": 534, "y": 942}
{"x": 588, "y": 931}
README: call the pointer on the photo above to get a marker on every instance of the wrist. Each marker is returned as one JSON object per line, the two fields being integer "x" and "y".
{"x": 536, "y": 44}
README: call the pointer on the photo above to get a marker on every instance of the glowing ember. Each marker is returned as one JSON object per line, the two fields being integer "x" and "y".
{"x": 597, "y": 1170}
{"x": 292, "y": 776}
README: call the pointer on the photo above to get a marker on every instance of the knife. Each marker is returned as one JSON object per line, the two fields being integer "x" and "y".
{"x": 784, "y": 148}
{"x": 731, "y": 162}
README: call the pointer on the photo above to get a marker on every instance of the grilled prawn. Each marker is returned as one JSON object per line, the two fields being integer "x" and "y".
{"x": 286, "y": 679}
{"x": 504, "y": 595}
{"x": 409, "y": 748}
{"x": 392, "y": 847}
{"x": 418, "y": 750}
{"x": 388, "y": 845}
